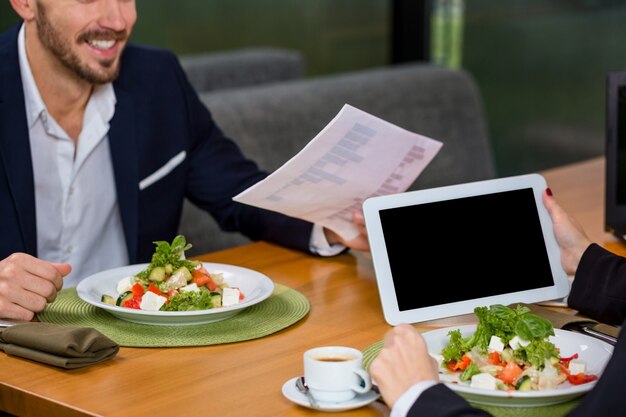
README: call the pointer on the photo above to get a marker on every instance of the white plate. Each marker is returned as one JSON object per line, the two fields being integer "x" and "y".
{"x": 292, "y": 394}
{"x": 255, "y": 287}
{"x": 594, "y": 352}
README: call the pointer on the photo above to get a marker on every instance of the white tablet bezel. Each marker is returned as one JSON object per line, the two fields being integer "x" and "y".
{"x": 393, "y": 315}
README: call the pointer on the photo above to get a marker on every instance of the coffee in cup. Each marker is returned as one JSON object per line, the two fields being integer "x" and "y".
{"x": 335, "y": 373}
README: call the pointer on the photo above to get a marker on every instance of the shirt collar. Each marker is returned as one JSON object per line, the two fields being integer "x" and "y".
{"x": 32, "y": 98}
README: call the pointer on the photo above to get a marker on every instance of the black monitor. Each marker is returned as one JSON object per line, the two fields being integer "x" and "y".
{"x": 615, "y": 192}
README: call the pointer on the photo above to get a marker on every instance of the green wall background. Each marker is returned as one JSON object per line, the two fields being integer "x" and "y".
{"x": 333, "y": 35}
{"x": 540, "y": 65}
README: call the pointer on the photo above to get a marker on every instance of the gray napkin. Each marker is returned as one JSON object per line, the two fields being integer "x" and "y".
{"x": 61, "y": 346}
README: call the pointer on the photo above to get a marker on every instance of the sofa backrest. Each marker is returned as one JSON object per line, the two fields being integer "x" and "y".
{"x": 271, "y": 123}
{"x": 242, "y": 67}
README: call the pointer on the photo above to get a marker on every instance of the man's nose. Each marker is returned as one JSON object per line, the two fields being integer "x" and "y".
{"x": 114, "y": 14}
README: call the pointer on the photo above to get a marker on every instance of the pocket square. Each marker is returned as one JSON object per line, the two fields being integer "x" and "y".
{"x": 163, "y": 171}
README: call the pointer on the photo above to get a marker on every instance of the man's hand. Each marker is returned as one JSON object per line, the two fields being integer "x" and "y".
{"x": 27, "y": 284}
{"x": 359, "y": 243}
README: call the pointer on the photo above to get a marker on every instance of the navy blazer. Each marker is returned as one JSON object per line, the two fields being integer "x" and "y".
{"x": 598, "y": 291}
{"x": 158, "y": 115}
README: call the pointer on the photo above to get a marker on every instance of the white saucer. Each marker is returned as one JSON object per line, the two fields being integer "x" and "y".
{"x": 292, "y": 394}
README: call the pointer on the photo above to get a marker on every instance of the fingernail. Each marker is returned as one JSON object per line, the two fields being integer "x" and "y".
{"x": 549, "y": 191}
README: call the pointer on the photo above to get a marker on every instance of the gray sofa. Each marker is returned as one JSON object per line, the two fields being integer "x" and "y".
{"x": 242, "y": 67}
{"x": 271, "y": 123}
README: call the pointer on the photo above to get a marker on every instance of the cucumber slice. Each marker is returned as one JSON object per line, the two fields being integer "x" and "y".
{"x": 107, "y": 299}
{"x": 123, "y": 297}
{"x": 524, "y": 384}
{"x": 157, "y": 274}
{"x": 184, "y": 272}
{"x": 216, "y": 299}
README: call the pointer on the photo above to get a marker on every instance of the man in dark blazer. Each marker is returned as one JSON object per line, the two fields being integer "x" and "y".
{"x": 408, "y": 377}
{"x": 72, "y": 90}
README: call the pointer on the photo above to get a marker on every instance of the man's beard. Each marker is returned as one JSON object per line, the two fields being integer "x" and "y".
{"x": 61, "y": 49}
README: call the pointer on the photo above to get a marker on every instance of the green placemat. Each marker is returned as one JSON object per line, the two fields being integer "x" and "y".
{"x": 283, "y": 308}
{"x": 556, "y": 410}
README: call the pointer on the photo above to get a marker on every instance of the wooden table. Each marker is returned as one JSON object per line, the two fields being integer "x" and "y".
{"x": 245, "y": 379}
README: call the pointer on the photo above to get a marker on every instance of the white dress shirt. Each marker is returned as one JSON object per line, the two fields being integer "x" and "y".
{"x": 320, "y": 245}
{"x": 78, "y": 218}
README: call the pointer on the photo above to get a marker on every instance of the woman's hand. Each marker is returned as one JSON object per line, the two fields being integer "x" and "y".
{"x": 569, "y": 234}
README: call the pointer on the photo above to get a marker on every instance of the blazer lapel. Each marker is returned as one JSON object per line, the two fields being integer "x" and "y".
{"x": 124, "y": 152}
{"x": 14, "y": 142}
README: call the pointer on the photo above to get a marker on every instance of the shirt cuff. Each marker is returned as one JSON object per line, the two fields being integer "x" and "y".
{"x": 320, "y": 245}
{"x": 405, "y": 402}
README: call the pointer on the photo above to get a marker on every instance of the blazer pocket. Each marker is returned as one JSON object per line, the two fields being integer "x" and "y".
{"x": 163, "y": 171}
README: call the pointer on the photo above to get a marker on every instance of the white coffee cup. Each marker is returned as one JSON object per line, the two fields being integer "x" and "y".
{"x": 335, "y": 373}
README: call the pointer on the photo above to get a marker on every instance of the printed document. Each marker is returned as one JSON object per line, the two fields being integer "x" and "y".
{"x": 356, "y": 156}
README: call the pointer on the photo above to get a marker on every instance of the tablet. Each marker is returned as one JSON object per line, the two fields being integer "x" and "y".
{"x": 443, "y": 251}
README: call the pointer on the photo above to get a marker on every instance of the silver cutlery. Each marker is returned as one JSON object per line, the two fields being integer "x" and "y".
{"x": 11, "y": 322}
{"x": 303, "y": 388}
{"x": 582, "y": 328}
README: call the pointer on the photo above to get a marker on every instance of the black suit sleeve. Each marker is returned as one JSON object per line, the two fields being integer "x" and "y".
{"x": 599, "y": 287}
{"x": 599, "y": 291}
{"x": 441, "y": 401}
{"x": 166, "y": 118}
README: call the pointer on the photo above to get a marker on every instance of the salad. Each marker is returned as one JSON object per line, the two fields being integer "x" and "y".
{"x": 510, "y": 350}
{"x": 173, "y": 283}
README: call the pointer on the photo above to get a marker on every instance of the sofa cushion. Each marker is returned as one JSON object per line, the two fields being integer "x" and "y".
{"x": 242, "y": 67}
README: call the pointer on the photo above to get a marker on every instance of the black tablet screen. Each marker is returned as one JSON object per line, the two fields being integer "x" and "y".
{"x": 466, "y": 248}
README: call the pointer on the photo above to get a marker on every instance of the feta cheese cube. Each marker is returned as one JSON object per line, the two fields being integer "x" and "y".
{"x": 483, "y": 381}
{"x": 125, "y": 284}
{"x": 495, "y": 344}
{"x": 576, "y": 366}
{"x": 230, "y": 296}
{"x": 190, "y": 287}
{"x": 516, "y": 342}
{"x": 151, "y": 301}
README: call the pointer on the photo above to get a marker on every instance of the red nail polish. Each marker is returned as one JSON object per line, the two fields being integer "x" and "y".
{"x": 549, "y": 191}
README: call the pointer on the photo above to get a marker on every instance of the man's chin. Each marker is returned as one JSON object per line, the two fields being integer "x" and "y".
{"x": 101, "y": 75}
